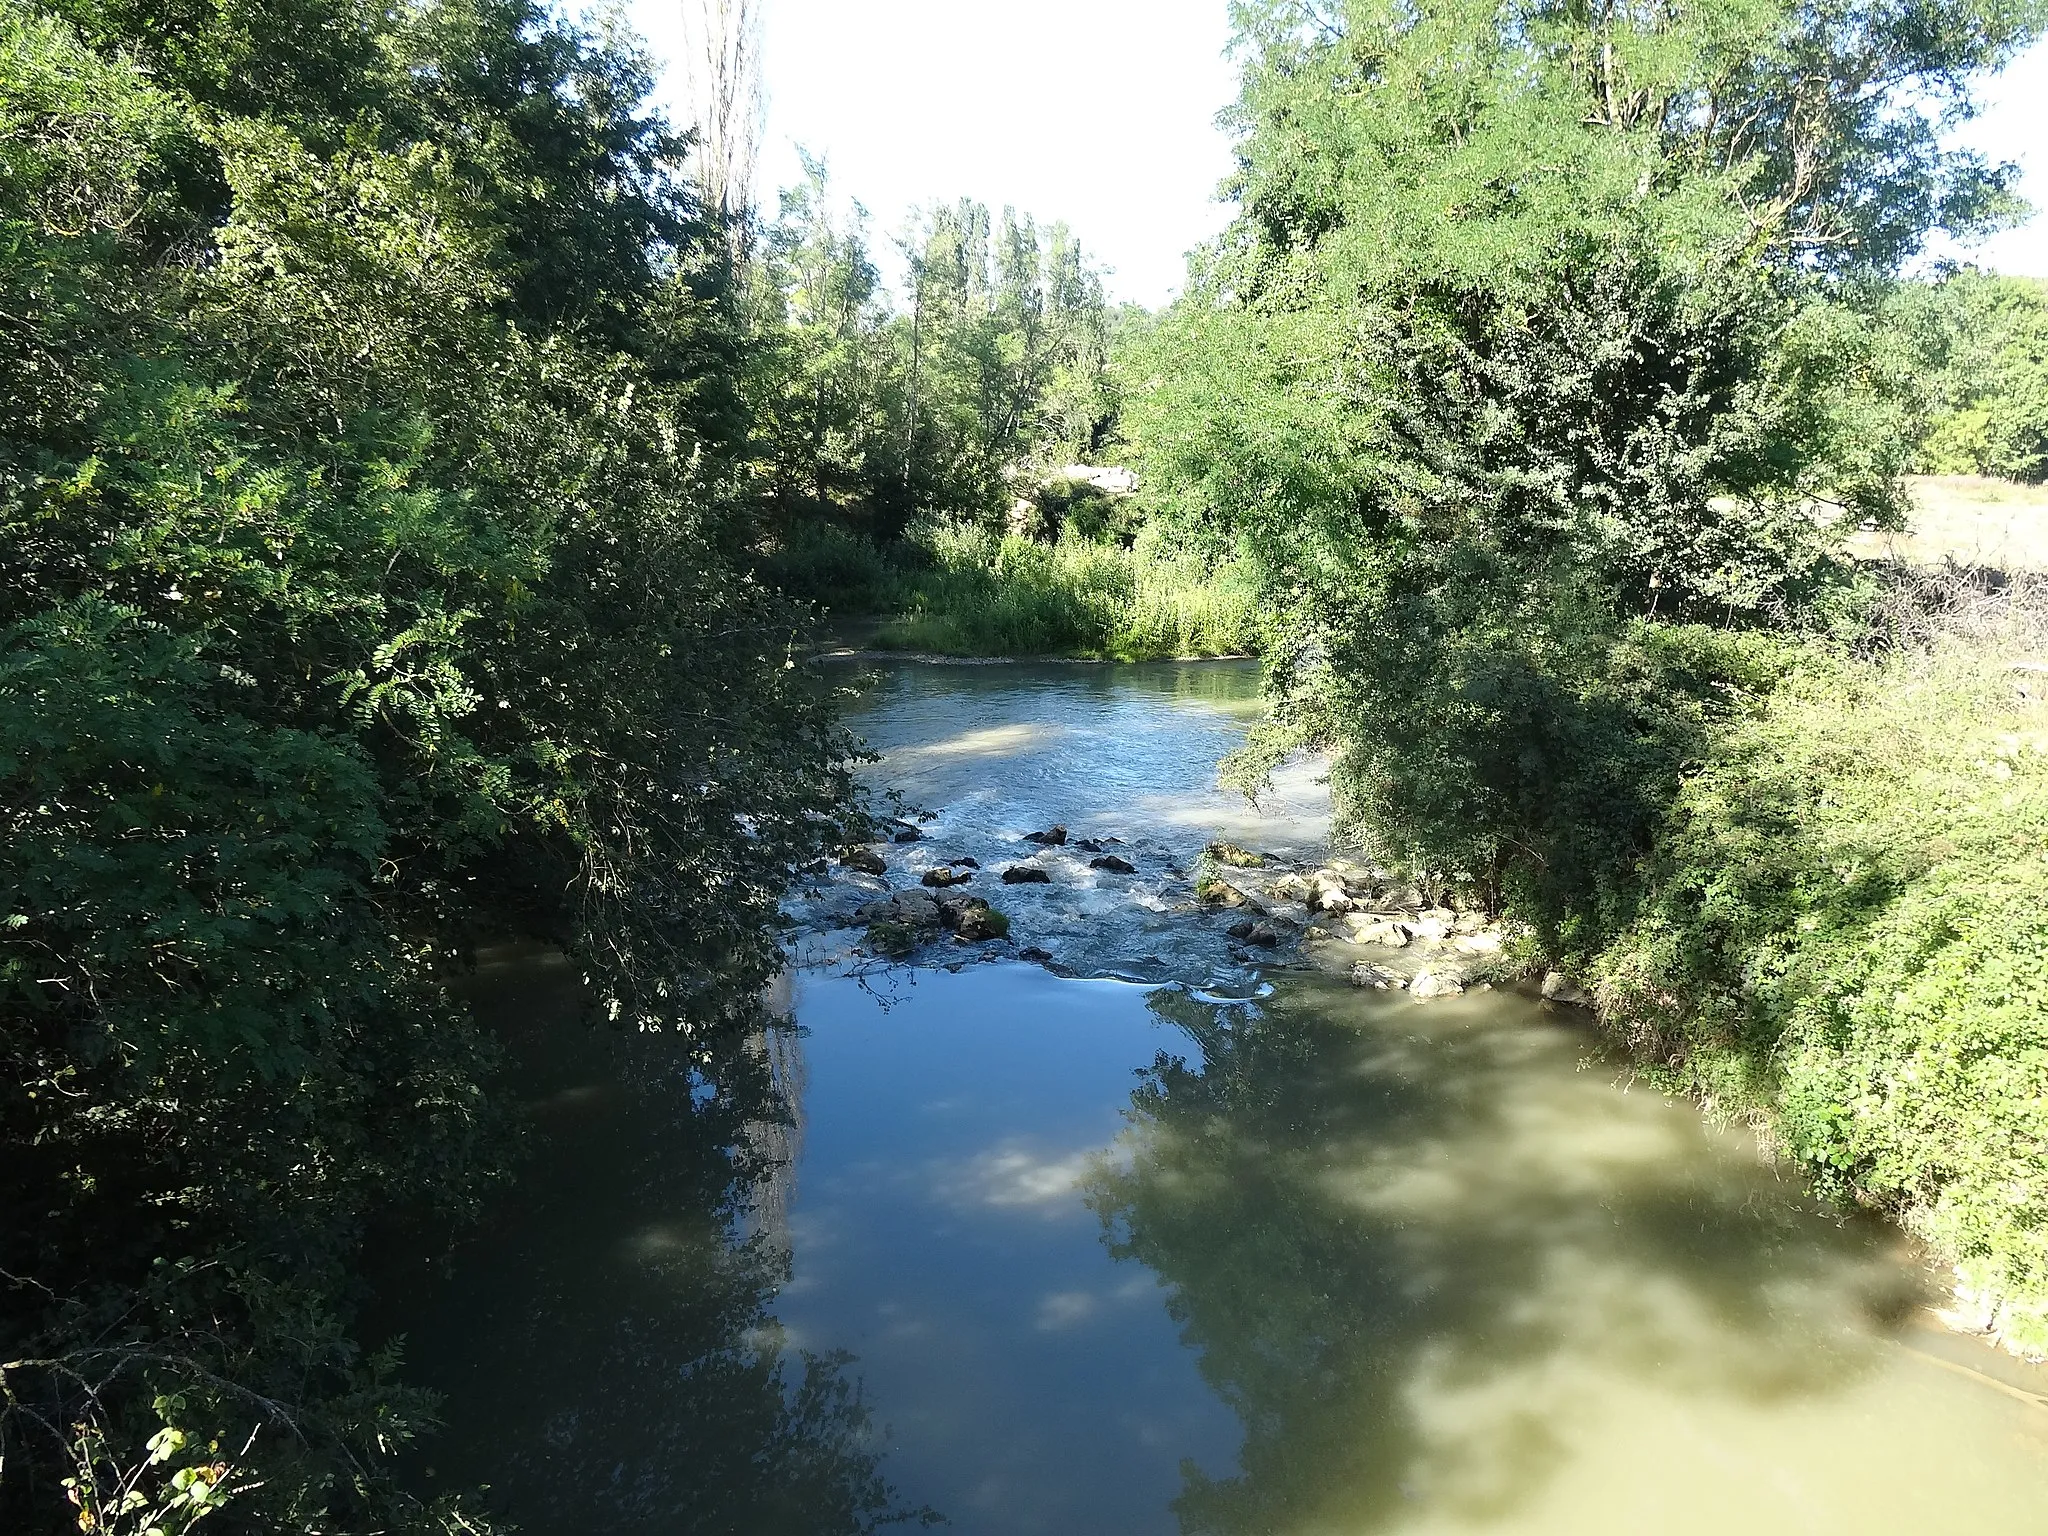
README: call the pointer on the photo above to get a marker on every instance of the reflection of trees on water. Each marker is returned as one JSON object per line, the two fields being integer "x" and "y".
{"x": 1376, "y": 1257}
{"x": 776, "y": 1144}
{"x": 607, "y": 1351}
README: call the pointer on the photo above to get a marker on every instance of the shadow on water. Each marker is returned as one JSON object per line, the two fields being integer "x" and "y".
{"x": 1412, "y": 1266}
{"x": 604, "y": 1348}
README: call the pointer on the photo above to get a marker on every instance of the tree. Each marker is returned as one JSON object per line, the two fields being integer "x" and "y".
{"x": 722, "y": 45}
{"x": 1980, "y": 346}
{"x": 1543, "y": 326}
{"x": 371, "y": 498}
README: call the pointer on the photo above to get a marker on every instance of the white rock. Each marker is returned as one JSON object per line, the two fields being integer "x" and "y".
{"x": 1366, "y": 974}
{"x": 1367, "y": 929}
{"x": 1436, "y": 984}
{"x": 1560, "y": 988}
{"x": 1434, "y": 925}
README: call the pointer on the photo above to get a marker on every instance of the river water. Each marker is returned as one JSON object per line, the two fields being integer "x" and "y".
{"x": 1147, "y": 1239}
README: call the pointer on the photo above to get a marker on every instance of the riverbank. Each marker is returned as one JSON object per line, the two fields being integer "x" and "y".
{"x": 1842, "y": 936}
{"x": 960, "y": 591}
{"x": 1837, "y": 936}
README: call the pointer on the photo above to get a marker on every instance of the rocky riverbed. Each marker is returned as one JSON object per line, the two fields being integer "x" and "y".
{"x": 912, "y": 898}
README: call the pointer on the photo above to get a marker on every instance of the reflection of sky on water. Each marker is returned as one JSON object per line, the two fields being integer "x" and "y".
{"x": 1448, "y": 1271}
{"x": 939, "y": 1233}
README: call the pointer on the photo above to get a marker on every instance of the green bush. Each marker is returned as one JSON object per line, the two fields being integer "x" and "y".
{"x": 1844, "y": 929}
{"x": 837, "y": 569}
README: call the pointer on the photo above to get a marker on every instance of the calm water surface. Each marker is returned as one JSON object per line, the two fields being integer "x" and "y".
{"x": 1036, "y": 1254}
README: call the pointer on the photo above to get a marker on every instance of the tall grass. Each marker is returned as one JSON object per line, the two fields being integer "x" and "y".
{"x": 984, "y": 594}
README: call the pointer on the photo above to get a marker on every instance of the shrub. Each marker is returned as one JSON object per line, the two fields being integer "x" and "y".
{"x": 1844, "y": 929}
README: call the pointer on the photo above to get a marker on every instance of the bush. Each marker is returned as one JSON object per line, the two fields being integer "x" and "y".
{"x": 820, "y": 562}
{"x": 1844, "y": 929}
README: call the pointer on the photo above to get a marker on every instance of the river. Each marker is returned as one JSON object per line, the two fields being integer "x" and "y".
{"x": 1156, "y": 1235}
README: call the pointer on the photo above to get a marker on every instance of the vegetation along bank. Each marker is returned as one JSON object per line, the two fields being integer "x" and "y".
{"x": 416, "y": 499}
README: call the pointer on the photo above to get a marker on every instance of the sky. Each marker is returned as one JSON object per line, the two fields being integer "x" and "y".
{"x": 1100, "y": 113}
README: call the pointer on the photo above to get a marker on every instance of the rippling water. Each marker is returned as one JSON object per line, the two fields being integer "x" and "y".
{"x": 1052, "y": 1255}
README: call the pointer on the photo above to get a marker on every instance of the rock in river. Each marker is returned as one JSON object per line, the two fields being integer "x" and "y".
{"x": 1026, "y": 874}
{"x": 975, "y": 920}
{"x": 1379, "y": 977}
{"x": 1236, "y": 857}
{"x": 1219, "y": 893}
{"x": 946, "y": 875}
{"x": 911, "y": 909}
{"x": 1560, "y": 988}
{"x": 904, "y": 832}
{"x": 1055, "y": 838}
{"x": 866, "y": 860}
{"x": 1436, "y": 984}
{"x": 1114, "y": 865}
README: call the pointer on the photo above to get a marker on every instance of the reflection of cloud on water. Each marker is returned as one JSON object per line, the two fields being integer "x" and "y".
{"x": 989, "y": 741}
{"x": 1059, "y": 1311}
{"x": 1014, "y": 1178}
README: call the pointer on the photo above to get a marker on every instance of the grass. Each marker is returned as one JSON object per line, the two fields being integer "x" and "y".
{"x": 982, "y": 594}
{"x": 1973, "y": 520}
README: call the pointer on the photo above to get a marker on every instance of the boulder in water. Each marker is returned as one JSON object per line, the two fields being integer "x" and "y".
{"x": 904, "y": 832}
{"x": 914, "y": 909}
{"x": 975, "y": 920}
{"x": 1290, "y": 888}
{"x": 1219, "y": 893}
{"x": 1378, "y": 977}
{"x": 1114, "y": 865}
{"x": 866, "y": 860}
{"x": 1236, "y": 857}
{"x": 1436, "y": 984}
{"x": 1026, "y": 874}
{"x": 1055, "y": 837}
{"x": 1560, "y": 988}
{"x": 946, "y": 875}
{"x": 1384, "y": 931}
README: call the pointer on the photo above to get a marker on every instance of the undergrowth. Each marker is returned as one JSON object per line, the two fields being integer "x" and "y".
{"x": 1843, "y": 931}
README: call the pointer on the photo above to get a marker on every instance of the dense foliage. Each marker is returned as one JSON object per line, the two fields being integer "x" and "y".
{"x": 983, "y": 594}
{"x": 372, "y": 502}
{"x": 1978, "y": 346}
{"x": 1845, "y": 922}
{"x": 869, "y": 415}
{"x": 1551, "y": 352}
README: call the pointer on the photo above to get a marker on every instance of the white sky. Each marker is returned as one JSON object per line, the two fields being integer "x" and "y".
{"x": 1098, "y": 112}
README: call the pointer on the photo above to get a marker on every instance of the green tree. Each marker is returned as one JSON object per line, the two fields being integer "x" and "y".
{"x": 1541, "y": 327}
{"x": 371, "y": 504}
{"x": 1981, "y": 345}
